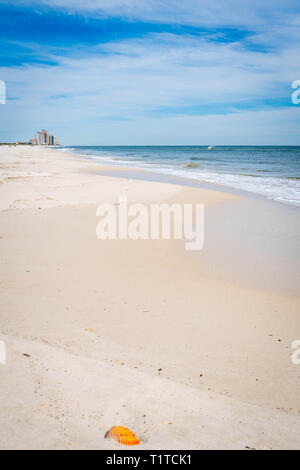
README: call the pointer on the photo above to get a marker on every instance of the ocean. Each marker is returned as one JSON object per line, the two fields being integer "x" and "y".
{"x": 273, "y": 172}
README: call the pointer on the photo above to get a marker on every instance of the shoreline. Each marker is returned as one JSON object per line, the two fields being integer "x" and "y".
{"x": 119, "y": 170}
{"x": 140, "y": 333}
{"x": 145, "y": 175}
{"x": 246, "y": 197}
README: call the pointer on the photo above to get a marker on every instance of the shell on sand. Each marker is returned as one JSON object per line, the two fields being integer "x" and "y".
{"x": 122, "y": 435}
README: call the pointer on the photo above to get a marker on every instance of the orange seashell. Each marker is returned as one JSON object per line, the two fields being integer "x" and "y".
{"x": 122, "y": 435}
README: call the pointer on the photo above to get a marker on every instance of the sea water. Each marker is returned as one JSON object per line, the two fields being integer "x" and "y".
{"x": 273, "y": 172}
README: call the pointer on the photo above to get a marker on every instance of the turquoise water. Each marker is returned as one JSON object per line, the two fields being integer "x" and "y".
{"x": 271, "y": 171}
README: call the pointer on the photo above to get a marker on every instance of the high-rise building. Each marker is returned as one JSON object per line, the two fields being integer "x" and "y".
{"x": 43, "y": 138}
{"x": 38, "y": 137}
{"x": 50, "y": 140}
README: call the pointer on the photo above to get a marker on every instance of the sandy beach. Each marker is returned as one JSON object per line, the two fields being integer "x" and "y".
{"x": 190, "y": 350}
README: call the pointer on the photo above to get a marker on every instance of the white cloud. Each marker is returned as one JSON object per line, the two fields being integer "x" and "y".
{"x": 191, "y": 12}
{"x": 143, "y": 79}
{"x": 158, "y": 70}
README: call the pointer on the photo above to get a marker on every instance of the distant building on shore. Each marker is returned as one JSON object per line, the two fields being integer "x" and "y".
{"x": 43, "y": 138}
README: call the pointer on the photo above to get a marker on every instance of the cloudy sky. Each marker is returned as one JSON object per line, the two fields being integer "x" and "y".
{"x": 161, "y": 72}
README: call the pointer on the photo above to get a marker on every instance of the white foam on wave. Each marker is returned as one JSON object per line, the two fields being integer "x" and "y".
{"x": 279, "y": 189}
{"x": 65, "y": 149}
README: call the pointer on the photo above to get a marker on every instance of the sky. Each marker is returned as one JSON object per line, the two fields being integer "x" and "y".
{"x": 151, "y": 72}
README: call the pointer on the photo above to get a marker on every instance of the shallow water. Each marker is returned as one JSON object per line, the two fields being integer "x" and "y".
{"x": 270, "y": 171}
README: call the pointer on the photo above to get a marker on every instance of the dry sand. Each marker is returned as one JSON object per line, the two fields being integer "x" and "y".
{"x": 189, "y": 350}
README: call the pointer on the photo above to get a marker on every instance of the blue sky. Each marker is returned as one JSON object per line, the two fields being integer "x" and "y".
{"x": 165, "y": 72}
